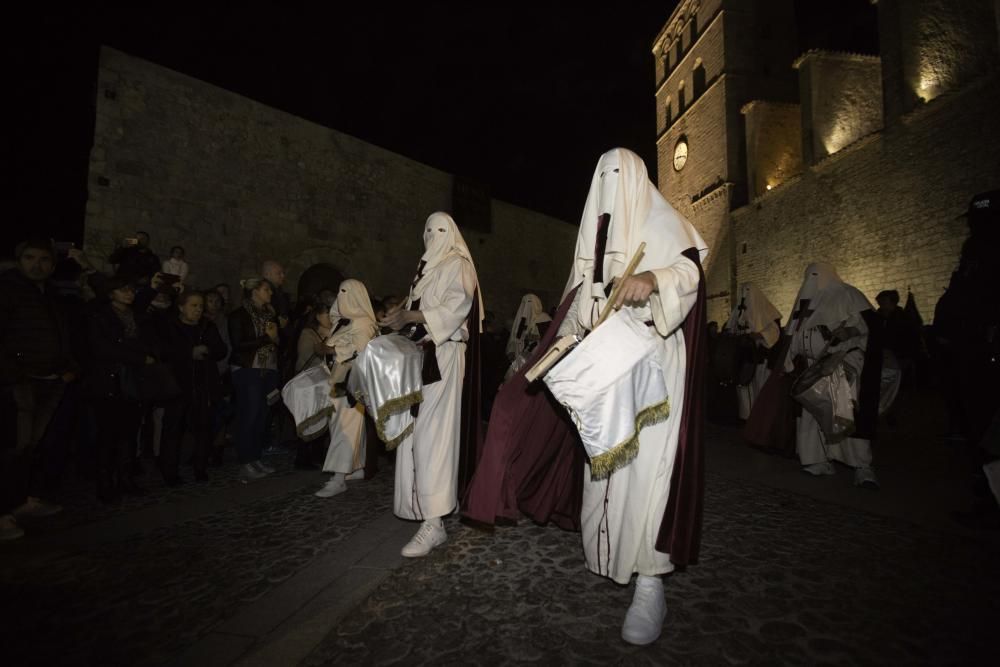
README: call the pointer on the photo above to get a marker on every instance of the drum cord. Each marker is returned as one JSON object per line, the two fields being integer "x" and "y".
{"x": 606, "y": 531}
{"x": 414, "y": 496}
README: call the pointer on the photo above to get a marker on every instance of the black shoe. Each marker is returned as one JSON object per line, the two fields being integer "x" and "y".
{"x": 306, "y": 465}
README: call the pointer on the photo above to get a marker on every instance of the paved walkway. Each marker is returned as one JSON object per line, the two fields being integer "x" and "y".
{"x": 793, "y": 570}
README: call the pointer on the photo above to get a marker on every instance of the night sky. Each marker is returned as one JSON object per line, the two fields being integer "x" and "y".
{"x": 521, "y": 98}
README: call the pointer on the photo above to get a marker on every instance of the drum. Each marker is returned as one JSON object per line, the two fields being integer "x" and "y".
{"x": 307, "y": 396}
{"x": 386, "y": 378}
{"x": 612, "y": 384}
{"x": 825, "y": 392}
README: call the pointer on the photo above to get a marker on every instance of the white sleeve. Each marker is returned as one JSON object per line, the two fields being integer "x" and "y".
{"x": 677, "y": 291}
{"x": 571, "y": 323}
{"x": 455, "y": 289}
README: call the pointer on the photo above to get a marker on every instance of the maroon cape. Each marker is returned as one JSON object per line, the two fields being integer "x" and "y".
{"x": 471, "y": 433}
{"x": 533, "y": 461}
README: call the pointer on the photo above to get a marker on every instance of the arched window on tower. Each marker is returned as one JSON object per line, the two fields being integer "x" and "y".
{"x": 667, "y": 112}
{"x": 697, "y": 79}
{"x": 681, "y": 102}
{"x": 677, "y": 50}
{"x": 692, "y": 27}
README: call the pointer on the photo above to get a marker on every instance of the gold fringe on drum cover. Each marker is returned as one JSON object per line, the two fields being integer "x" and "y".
{"x": 301, "y": 429}
{"x": 392, "y": 407}
{"x": 622, "y": 454}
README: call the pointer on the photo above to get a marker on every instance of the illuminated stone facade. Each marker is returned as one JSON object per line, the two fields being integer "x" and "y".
{"x": 236, "y": 182}
{"x": 866, "y": 168}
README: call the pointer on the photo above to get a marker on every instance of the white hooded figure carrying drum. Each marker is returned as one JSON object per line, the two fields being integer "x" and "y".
{"x": 829, "y": 317}
{"x": 641, "y": 509}
{"x": 435, "y": 315}
{"x": 354, "y": 325}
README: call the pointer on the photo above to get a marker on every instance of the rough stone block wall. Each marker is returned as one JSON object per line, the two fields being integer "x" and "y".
{"x": 774, "y": 144}
{"x": 712, "y": 213}
{"x": 883, "y": 210}
{"x": 841, "y": 101}
{"x": 929, "y": 47}
{"x": 236, "y": 182}
{"x": 947, "y": 44}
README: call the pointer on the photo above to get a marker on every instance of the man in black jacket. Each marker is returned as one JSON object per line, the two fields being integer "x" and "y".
{"x": 135, "y": 260}
{"x": 35, "y": 365}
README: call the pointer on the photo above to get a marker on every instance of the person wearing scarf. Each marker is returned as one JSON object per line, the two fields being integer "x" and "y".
{"x": 442, "y": 313}
{"x": 354, "y": 324}
{"x": 756, "y": 317}
{"x": 253, "y": 335}
{"x": 643, "y": 515}
{"x": 832, "y": 316}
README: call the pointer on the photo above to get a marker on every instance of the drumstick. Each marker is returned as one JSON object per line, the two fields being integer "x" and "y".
{"x": 629, "y": 270}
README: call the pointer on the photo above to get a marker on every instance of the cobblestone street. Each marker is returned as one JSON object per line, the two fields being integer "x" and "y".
{"x": 793, "y": 570}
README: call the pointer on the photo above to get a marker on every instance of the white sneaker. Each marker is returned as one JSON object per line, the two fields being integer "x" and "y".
{"x": 865, "y": 478}
{"x": 262, "y": 467}
{"x": 645, "y": 616}
{"x": 250, "y": 472}
{"x": 9, "y": 530}
{"x": 428, "y": 537}
{"x": 817, "y": 469}
{"x": 36, "y": 507}
{"x": 333, "y": 487}
{"x": 357, "y": 474}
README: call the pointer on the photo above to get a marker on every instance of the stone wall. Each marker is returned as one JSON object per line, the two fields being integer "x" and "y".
{"x": 841, "y": 97}
{"x": 774, "y": 144}
{"x": 882, "y": 210}
{"x": 932, "y": 46}
{"x": 236, "y": 182}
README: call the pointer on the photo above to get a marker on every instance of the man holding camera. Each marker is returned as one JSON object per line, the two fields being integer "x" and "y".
{"x": 35, "y": 365}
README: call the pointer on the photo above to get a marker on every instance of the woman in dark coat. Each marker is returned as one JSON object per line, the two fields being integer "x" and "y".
{"x": 191, "y": 346}
{"x": 120, "y": 345}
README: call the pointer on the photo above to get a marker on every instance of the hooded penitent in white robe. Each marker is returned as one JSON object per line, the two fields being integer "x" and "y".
{"x": 443, "y": 290}
{"x": 622, "y": 511}
{"x": 354, "y": 325}
{"x": 754, "y": 314}
{"x": 824, "y": 300}
{"x": 529, "y": 315}
{"x": 525, "y": 333}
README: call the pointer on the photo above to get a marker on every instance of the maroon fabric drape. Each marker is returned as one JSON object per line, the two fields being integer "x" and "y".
{"x": 680, "y": 530}
{"x": 771, "y": 423}
{"x": 471, "y": 434}
{"x": 871, "y": 379}
{"x": 532, "y": 460}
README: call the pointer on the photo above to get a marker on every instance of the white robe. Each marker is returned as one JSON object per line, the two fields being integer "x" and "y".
{"x": 427, "y": 459}
{"x": 621, "y": 515}
{"x": 346, "y": 452}
{"x": 810, "y": 443}
{"x": 348, "y": 441}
